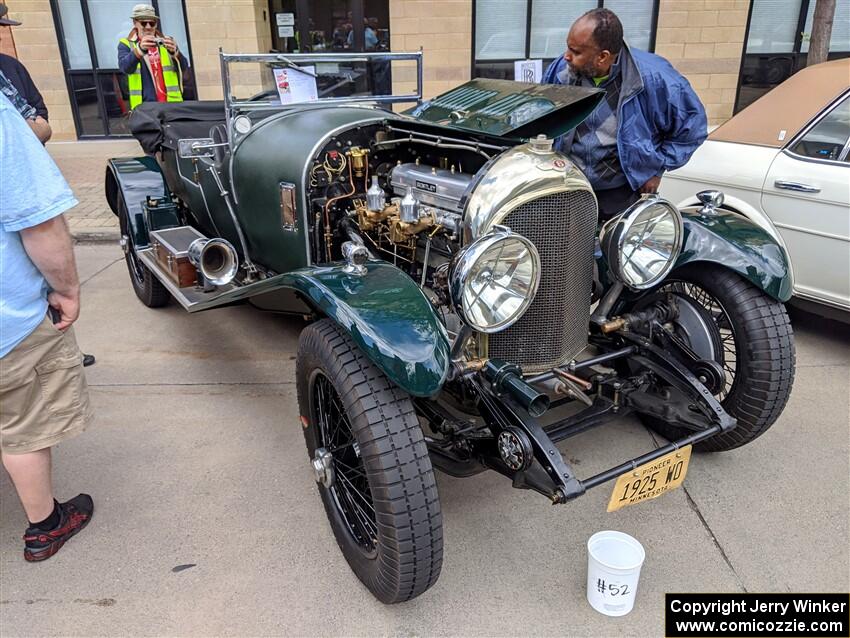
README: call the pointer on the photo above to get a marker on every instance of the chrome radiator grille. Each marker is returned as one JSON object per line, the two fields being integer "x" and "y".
{"x": 554, "y": 328}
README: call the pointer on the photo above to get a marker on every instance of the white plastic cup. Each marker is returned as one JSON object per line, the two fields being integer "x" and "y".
{"x": 614, "y": 560}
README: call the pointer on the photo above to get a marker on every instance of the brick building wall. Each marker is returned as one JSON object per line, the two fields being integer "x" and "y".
{"x": 237, "y": 26}
{"x": 7, "y": 42}
{"x": 38, "y": 48}
{"x": 704, "y": 40}
{"x": 443, "y": 29}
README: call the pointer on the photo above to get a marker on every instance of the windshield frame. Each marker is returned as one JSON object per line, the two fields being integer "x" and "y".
{"x": 234, "y": 107}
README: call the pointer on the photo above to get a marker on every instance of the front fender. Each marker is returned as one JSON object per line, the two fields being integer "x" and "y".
{"x": 387, "y": 316}
{"x": 733, "y": 241}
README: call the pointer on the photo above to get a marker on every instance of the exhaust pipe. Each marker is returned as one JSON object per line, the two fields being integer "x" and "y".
{"x": 507, "y": 377}
{"x": 216, "y": 260}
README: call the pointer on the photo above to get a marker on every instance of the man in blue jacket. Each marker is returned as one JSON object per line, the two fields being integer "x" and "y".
{"x": 650, "y": 121}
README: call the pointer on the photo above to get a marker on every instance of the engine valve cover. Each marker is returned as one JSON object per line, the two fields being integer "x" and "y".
{"x": 431, "y": 186}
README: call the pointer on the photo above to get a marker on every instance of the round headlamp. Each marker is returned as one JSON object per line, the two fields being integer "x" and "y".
{"x": 494, "y": 280}
{"x": 643, "y": 243}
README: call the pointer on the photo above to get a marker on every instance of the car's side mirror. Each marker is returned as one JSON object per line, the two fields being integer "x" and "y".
{"x": 197, "y": 147}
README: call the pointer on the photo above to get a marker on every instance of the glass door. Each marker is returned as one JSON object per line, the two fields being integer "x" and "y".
{"x": 89, "y": 31}
{"x": 315, "y": 26}
{"x": 311, "y": 26}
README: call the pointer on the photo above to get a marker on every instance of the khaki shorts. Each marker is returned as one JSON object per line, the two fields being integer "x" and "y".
{"x": 43, "y": 393}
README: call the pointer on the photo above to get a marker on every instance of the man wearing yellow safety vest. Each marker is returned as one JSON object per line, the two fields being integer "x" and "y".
{"x": 151, "y": 60}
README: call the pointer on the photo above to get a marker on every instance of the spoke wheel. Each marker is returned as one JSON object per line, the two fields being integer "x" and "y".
{"x": 718, "y": 325}
{"x": 751, "y": 339}
{"x": 372, "y": 466}
{"x": 349, "y": 489}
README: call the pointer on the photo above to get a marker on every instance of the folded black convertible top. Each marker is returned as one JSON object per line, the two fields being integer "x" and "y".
{"x": 159, "y": 125}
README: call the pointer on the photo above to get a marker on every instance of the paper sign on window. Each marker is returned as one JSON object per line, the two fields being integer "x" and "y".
{"x": 293, "y": 86}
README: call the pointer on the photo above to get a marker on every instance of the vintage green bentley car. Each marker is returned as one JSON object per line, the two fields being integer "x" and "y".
{"x": 465, "y": 311}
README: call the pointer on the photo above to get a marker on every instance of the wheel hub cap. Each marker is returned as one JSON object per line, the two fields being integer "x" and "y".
{"x": 699, "y": 332}
{"x": 515, "y": 449}
{"x": 323, "y": 467}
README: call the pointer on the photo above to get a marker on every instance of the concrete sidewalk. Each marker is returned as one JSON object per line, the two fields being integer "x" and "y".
{"x": 83, "y": 164}
{"x": 208, "y": 520}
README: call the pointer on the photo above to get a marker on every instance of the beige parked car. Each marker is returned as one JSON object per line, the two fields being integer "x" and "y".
{"x": 784, "y": 163}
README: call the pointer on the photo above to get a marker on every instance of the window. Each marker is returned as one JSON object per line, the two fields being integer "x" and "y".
{"x": 773, "y": 26}
{"x": 88, "y": 32}
{"x": 302, "y": 26}
{"x": 827, "y": 140}
{"x": 550, "y": 22}
{"x": 509, "y": 30}
{"x": 777, "y": 44}
{"x": 839, "y": 39}
{"x": 500, "y": 29}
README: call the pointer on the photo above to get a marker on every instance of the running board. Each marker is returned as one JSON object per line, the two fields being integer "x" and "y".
{"x": 192, "y": 298}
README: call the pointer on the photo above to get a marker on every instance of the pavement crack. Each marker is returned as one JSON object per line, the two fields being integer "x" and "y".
{"x": 109, "y": 265}
{"x": 695, "y": 508}
{"x": 693, "y": 505}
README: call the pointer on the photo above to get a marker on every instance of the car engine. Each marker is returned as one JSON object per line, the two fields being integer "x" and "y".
{"x": 416, "y": 201}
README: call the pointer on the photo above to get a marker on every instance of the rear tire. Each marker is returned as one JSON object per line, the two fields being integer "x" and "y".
{"x": 383, "y": 504}
{"x": 147, "y": 287}
{"x": 758, "y": 357}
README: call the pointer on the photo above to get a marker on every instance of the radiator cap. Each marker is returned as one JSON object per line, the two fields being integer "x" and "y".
{"x": 541, "y": 144}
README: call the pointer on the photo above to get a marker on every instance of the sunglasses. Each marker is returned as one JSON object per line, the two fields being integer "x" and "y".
{"x": 147, "y": 23}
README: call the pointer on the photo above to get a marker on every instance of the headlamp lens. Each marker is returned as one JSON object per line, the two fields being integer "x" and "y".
{"x": 495, "y": 280}
{"x": 642, "y": 245}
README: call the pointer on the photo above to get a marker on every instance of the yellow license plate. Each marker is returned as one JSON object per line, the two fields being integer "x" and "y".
{"x": 650, "y": 480}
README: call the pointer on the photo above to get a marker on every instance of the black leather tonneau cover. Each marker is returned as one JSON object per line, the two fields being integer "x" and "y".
{"x": 159, "y": 125}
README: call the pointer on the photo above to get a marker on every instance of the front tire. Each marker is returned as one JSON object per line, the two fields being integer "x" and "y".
{"x": 756, "y": 352}
{"x": 382, "y": 500}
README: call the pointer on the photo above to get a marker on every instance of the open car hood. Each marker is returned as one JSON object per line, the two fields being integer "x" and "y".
{"x": 506, "y": 109}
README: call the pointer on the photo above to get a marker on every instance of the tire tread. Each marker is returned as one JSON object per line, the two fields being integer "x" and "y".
{"x": 404, "y": 489}
{"x": 765, "y": 372}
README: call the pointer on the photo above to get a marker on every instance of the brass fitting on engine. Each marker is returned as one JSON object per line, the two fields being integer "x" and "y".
{"x": 662, "y": 311}
{"x": 368, "y": 219}
{"x": 401, "y": 232}
{"x": 469, "y": 366}
{"x": 358, "y": 159}
{"x": 614, "y": 325}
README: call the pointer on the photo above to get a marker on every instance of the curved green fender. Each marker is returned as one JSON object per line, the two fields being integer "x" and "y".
{"x": 388, "y": 317}
{"x": 136, "y": 178}
{"x": 733, "y": 241}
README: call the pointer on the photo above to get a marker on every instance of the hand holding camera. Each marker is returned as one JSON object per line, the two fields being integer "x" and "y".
{"x": 170, "y": 44}
{"x": 150, "y": 42}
